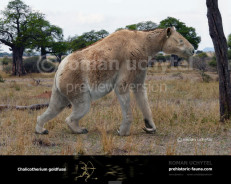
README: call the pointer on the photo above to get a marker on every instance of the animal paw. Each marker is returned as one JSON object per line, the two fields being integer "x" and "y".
{"x": 45, "y": 132}
{"x": 40, "y": 130}
{"x": 84, "y": 131}
{"x": 79, "y": 131}
{"x": 149, "y": 130}
{"x": 122, "y": 133}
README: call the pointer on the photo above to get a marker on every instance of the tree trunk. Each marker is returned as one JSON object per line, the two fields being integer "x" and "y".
{"x": 18, "y": 68}
{"x": 43, "y": 53}
{"x": 174, "y": 60}
{"x": 221, "y": 49}
{"x": 59, "y": 58}
{"x": 14, "y": 67}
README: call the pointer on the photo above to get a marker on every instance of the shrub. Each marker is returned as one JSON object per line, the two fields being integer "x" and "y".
{"x": 1, "y": 79}
{"x": 213, "y": 62}
{"x": 7, "y": 68}
{"x": 36, "y": 65}
{"x": 167, "y": 57}
{"x": 202, "y": 55}
{"x": 160, "y": 58}
{"x": 199, "y": 51}
{"x": 206, "y": 78}
{"x": 199, "y": 63}
{"x": 6, "y": 61}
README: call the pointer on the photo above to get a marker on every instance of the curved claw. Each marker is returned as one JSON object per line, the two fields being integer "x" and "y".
{"x": 45, "y": 132}
{"x": 85, "y": 131}
{"x": 149, "y": 130}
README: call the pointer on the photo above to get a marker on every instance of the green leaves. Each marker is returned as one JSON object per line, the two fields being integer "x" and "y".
{"x": 188, "y": 32}
{"x": 142, "y": 26}
{"x": 148, "y": 25}
{"x": 229, "y": 41}
{"x": 87, "y": 39}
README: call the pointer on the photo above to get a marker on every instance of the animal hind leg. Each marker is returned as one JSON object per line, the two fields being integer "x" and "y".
{"x": 80, "y": 109}
{"x": 142, "y": 101}
{"x": 57, "y": 103}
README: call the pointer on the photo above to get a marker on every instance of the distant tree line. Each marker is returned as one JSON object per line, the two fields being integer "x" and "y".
{"x": 26, "y": 32}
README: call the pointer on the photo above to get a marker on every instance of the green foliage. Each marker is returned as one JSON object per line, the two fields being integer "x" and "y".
{"x": 87, "y": 39}
{"x": 18, "y": 29}
{"x": 199, "y": 51}
{"x": 118, "y": 29}
{"x": 160, "y": 58}
{"x": 229, "y": 41}
{"x": 213, "y": 62}
{"x": 188, "y": 32}
{"x": 202, "y": 55}
{"x": 205, "y": 77}
{"x": 6, "y": 61}
{"x": 47, "y": 37}
{"x": 17, "y": 87}
{"x": 141, "y": 26}
{"x": 168, "y": 57}
{"x": 17, "y": 24}
{"x": 59, "y": 49}
{"x": 131, "y": 27}
{"x": 35, "y": 65}
{"x": 229, "y": 54}
{"x": 148, "y": 25}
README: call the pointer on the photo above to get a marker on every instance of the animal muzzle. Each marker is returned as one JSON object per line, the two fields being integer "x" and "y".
{"x": 190, "y": 52}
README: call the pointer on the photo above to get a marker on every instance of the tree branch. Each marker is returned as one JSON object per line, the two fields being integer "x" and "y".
{"x": 6, "y": 43}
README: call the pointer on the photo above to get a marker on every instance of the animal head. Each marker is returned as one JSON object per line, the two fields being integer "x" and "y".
{"x": 177, "y": 44}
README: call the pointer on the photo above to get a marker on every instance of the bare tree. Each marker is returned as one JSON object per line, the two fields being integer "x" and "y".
{"x": 221, "y": 49}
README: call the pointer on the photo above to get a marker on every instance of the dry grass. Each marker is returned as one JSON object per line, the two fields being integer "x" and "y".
{"x": 183, "y": 107}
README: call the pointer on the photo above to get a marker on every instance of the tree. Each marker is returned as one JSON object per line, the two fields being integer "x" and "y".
{"x": 188, "y": 32}
{"x": 131, "y": 27}
{"x": 86, "y": 39}
{"x": 59, "y": 49}
{"x": 148, "y": 25}
{"x": 229, "y": 41}
{"x": 45, "y": 36}
{"x": 141, "y": 26}
{"x": 229, "y": 47}
{"x": 15, "y": 31}
{"x": 221, "y": 50}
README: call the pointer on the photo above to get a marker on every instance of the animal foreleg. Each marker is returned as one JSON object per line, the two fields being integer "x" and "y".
{"x": 124, "y": 99}
{"x": 142, "y": 101}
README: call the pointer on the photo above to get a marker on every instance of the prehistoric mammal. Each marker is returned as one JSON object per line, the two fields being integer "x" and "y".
{"x": 119, "y": 63}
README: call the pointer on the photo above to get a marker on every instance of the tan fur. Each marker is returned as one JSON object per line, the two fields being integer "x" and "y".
{"x": 116, "y": 62}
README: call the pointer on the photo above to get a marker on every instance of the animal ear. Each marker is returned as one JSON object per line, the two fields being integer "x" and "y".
{"x": 169, "y": 32}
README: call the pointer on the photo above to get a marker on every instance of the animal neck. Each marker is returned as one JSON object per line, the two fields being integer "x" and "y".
{"x": 155, "y": 41}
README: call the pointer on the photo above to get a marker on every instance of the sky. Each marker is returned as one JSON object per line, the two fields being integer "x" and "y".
{"x": 78, "y": 16}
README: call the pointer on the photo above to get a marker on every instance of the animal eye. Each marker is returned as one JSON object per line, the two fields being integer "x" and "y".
{"x": 181, "y": 41}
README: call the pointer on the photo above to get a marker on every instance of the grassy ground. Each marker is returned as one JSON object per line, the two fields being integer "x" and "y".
{"x": 185, "y": 110}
